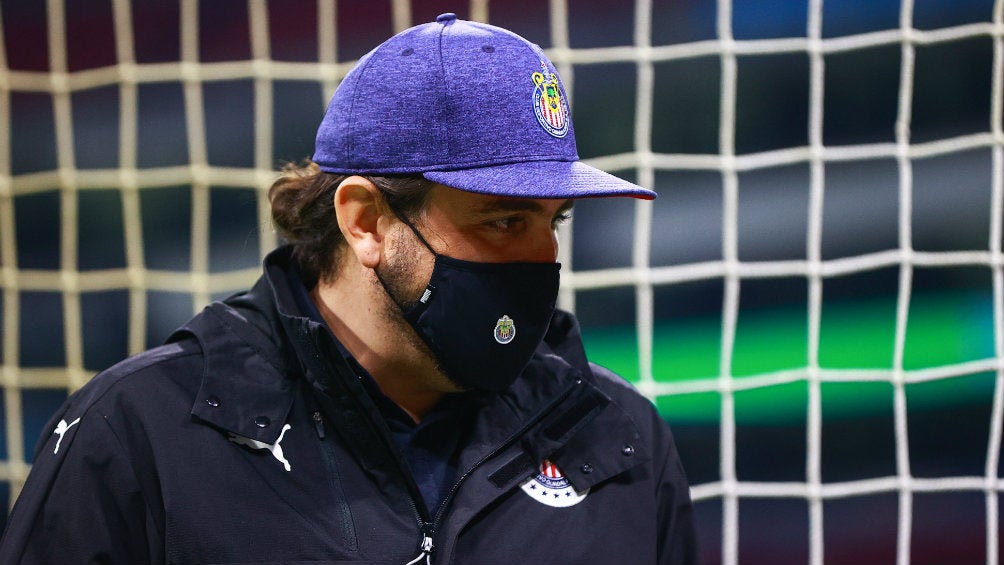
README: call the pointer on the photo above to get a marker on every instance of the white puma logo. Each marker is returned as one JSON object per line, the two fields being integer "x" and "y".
{"x": 274, "y": 448}
{"x": 61, "y": 428}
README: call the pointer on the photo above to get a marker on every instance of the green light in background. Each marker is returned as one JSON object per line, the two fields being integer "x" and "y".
{"x": 943, "y": 328}
{"x": 858, "y": 334}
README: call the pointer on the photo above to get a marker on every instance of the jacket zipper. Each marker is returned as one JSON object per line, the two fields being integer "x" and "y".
{"x": 426, "y": 546}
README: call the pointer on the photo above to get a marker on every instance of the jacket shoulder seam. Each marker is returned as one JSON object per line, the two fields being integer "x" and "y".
{"x": 110, "y": 379}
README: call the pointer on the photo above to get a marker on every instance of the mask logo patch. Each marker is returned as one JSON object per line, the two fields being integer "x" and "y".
{"x": 552, "y": 488}
{"x": 505, "y": 330}
{"x": 549, "y": 106}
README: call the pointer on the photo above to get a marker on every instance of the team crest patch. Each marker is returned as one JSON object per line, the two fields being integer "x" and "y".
{"x": 549, "y": 105}
{"x": 552, "y": 488}
{"x": 505, "y": 330}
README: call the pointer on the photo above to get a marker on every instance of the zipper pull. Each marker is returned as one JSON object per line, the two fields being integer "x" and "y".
{"x": 426, "y": 550}
{"x": 318, "y": 425}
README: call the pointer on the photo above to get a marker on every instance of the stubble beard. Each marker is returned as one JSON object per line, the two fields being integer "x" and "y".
{"x": 403, "y": 289}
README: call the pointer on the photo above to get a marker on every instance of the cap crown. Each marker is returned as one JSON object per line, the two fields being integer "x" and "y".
{"x": 445, "y": 96}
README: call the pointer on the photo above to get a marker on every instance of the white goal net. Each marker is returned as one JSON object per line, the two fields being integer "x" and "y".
{"x": 815, "y": 302}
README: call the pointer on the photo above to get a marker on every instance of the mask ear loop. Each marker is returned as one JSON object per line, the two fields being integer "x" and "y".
{"x": 404, "y": 219}
{"x": 429, "y": 289}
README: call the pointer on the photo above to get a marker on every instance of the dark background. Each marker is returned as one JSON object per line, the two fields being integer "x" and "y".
{"x": 949, "y": 423}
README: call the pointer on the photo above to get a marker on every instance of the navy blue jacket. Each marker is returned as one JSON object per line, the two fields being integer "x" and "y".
{"x": 247, "y": 439}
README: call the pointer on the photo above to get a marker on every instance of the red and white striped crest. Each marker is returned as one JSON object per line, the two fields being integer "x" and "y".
{"x": 549, "y": 103}
{"x": 550, "y": 470}
{"x": 551, "y": 488}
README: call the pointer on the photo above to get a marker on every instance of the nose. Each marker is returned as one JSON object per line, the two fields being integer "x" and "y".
{"x": 543, "y": 248}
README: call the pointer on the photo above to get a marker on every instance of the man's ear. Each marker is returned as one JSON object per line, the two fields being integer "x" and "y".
{"x": 362, "y": 218}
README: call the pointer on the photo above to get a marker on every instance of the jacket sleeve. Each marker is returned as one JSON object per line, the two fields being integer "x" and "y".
{"x": 677, "y": 535}
{"x": 81, "y": 503}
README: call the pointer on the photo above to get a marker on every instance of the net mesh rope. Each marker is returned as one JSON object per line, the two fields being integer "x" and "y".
{"x": 130, "y": 180}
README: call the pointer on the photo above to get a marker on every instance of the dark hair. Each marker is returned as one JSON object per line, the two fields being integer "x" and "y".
{"x": 302, "y": 201}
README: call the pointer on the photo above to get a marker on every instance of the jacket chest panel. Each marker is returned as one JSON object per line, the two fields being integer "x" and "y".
{"x": 302, "y": 499}
{"x": 609, "y": 522}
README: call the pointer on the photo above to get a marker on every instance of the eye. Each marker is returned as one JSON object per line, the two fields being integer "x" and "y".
{"x": 561, "y": 218}
{"x": 506, "y": 224}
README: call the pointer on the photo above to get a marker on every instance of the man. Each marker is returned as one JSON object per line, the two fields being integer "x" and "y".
{"x": 398, "y": 386}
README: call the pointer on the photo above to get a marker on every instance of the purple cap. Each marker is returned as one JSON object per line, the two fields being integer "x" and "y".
{"x": 464, "y": 104}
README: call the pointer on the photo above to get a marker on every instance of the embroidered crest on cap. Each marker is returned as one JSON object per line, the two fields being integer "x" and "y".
{"x": 505, "y": 330}
{"x": 549, "y": 106}
{"x": 552, "y": 488}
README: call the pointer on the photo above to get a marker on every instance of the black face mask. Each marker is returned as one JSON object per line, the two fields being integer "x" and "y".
{"x": 482, "y": 321}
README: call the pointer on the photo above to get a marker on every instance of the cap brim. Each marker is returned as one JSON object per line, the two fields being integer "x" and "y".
{"x": 540, "y": 179}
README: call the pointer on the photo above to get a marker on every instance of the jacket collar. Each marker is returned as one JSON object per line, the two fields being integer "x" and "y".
{"x": 249, "y": 374}
{"x": 585, "y": 432}
{"x": 243, "y": 390}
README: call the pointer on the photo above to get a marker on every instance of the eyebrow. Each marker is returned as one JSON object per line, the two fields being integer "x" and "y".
{"x": 519, "y": 205}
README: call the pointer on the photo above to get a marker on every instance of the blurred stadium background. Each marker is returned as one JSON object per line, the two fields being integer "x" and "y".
{"x": 814, "y": 301}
